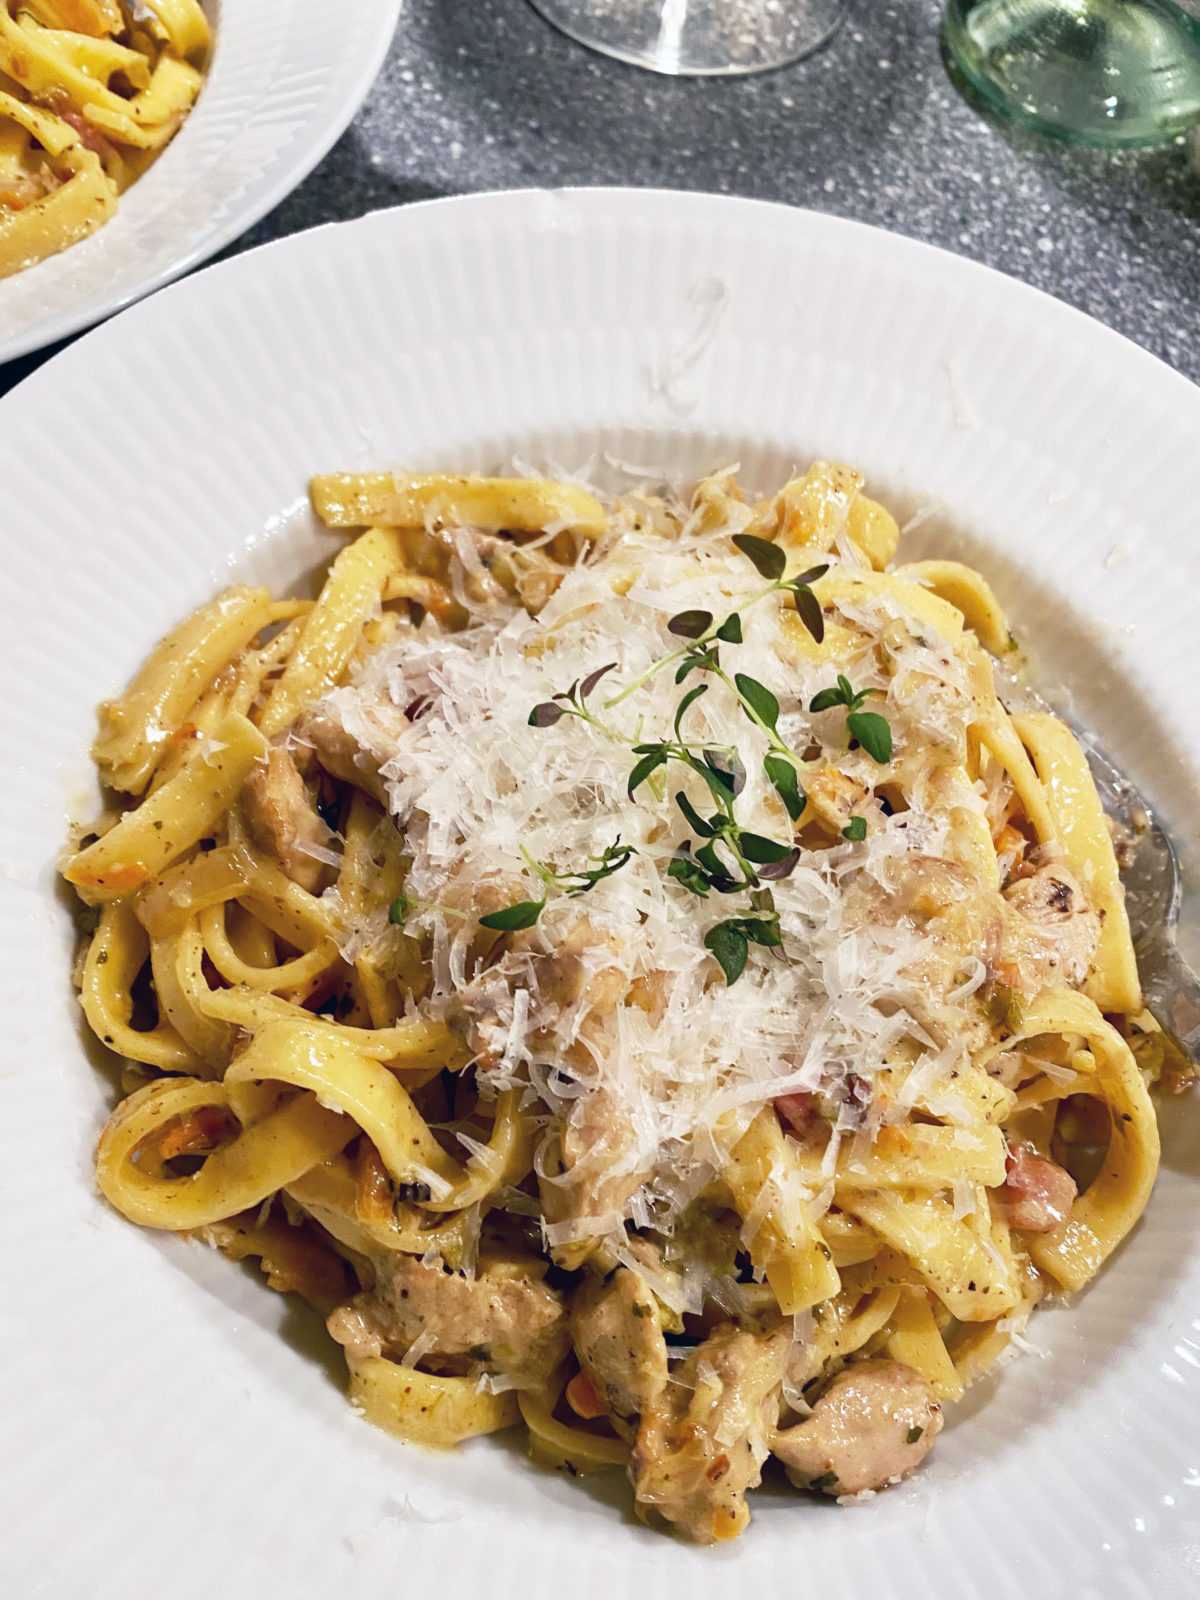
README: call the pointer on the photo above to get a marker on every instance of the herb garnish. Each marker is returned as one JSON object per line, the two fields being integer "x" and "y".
{"x": 770, "y": 561}
{"x": 871, "y": 730}
{"x": 404, "y": 905}
{"x": 526, "y": 912}
{"x": 570, "y": 703}
{"x": 730, "y": 941}
{"x": 731, "y": 859}
{"x": 855, "y": 829}
{"x": 913, "y": 1435}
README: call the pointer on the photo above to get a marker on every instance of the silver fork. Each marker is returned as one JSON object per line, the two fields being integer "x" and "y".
{"x": 1151, "y": 876}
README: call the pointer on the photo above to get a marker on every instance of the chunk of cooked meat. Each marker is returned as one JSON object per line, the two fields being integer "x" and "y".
{"x": 799, "y": 1113}
{"x": 597, "y": 1154}
{"x": 500, "y": 567}
{"x": 295, "y": 1259}
{"x": 591, "y": 1164}
{"x": 875, "y": 1423}
{"x": 342, "y": 755}
{"x": 1037, "y": 1193}
{"x": 1054, "y": 902}
{"x": 581, "y": 969}
{"x": 703, "y": 1444}
{"x": 618, "y": 1337}
{"x": 282, "y": 819}
{"x": 510, "y": 1324}
{"x": 963, "y": 922}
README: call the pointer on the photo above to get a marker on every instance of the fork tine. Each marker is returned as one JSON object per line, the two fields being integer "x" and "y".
{"x": 1150, "y": 876}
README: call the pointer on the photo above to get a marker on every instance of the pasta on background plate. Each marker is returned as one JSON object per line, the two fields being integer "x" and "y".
{"x": 90, "y": 92}
{"x": 622, "y": 963}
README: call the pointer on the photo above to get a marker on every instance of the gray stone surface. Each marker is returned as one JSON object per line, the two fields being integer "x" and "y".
{"x": 483, "y": 94}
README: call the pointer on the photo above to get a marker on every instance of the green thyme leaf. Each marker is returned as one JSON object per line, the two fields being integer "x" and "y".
{"x": 690, "y": 624}
{"x": 721, "y": 784}
{"x": 695, "y": 821}
{"x": 685, "y": 871}
{"x": 718, "y": 873}
{"x": 873, "y": 732}
{"x": 762, "y": 930}
{"x": 731, "y": 948}
{"x": 522, "y": 915}
{"x": 689, "y": 698}
{"x": 763, "y": 902}
{"x": 808, "y": 609}
{"x": 399, "y": 909}
{"x": 784, "y": 779}
{"x": 731, "y": 629}
{"x": 703, "y": 660}
{"x": 769, "y": 560}
{"x": 825, "y": 700}
{"x": 913, "y": 1435}
{"x": 615, "y": 856}
{"x": 648, "y": 764}
{"x": 755, "y": 848}
{"x": 759, "y": 698}
{"x": 855, "y": 829}
{"x": 545, "y": 715}
{"x": 710, "y": 860}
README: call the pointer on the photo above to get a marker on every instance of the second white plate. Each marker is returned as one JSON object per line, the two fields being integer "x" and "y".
{"x": 284, "y": 81}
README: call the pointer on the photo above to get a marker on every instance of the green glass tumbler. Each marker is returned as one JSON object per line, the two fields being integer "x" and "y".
{"x": 1093, "y": 72}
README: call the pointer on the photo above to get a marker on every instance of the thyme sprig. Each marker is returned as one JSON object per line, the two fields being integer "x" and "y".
{"x": 730, "y": 941}
{"x": 703, "y": 631}
{"x": 526, "y": 912}
{"x": 722, "y": 857}
{"x": 572, "y": 702}
{"x": 873, "y": 732}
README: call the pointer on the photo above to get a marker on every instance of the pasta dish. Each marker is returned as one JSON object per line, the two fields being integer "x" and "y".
{"x": 621, "y": 961}
{"x": 90, "y": 91}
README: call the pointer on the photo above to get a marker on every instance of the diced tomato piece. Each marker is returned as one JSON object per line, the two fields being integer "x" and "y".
{"x": 582, "y": 1397}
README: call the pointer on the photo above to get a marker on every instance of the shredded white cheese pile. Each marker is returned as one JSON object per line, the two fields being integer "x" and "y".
{"x": 650, "y": 1053}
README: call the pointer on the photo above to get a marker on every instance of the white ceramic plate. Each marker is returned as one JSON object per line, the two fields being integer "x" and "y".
{"x": 173, "y": 1428}
{"x": 286, "y": 77}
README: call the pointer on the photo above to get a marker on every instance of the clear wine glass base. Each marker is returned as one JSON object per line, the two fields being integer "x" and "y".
{"x": 1095, "y": 72}
{"x": 698, "y": 38}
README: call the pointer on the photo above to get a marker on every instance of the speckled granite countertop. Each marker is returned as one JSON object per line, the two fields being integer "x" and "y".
{"x": 483, "y": 94}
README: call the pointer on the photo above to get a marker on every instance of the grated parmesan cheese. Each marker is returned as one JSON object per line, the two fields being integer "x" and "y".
{"x": 664, "y": 1088}
{"x": 419, "y": 1349}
